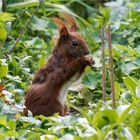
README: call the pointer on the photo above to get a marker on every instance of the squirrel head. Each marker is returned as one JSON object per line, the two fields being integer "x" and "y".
{"x": 70, "y": 41}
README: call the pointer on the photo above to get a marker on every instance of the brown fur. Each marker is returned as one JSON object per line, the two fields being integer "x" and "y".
{"x": 66, "y": 60}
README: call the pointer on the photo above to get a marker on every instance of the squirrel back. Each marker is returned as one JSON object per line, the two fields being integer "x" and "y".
{"x": 46, "y": 95}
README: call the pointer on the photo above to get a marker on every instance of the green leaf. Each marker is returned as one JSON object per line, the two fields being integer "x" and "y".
{"x": 137, "y": 62}
{"x": 67, "y": 136}
{"x": 4, "y": 17}
{"x": 131, "y": 84}
{"x": 36, "y": 42}
{"x": 2, "y": 137}
{"x": 125, "y": 111}
{"x": 3, "y": 68}
{"x": 12, "y": 125}
{"x": 121, "y": 47}
{"x": 117, "y": 90}
{"x": 128, "y": 134}
{"x": 29, "y": 135}
{"x": 41, "y": 62}
{"x": 84, "y": 114}
{"x": 31, "y": 120}
{"x": 15, "y": 79}
{"x": 49, "y": 137}
{"x": 39, "y": 25}
{"x": 60, "y": 8}
{"x": 19, "y": 5}
{"x": 106, "y": 131}
{"x": 138, "y": 92}
{"x": 3, "y": 121}
{"x": 105, "y": 117}
{"x": 133, "y": 133}
{"x": 10, "y": 134}
{"x": 136, "y": 81}
{"x": 104, "y": 16}
{"x": 128, "y": 67}
{"x": 91, "y": 80}
{"x": 3, "y": 33}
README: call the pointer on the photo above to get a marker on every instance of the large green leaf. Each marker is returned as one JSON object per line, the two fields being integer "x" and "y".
{"x": 124, "y": 110}
{"x": 12, "y": 125}
{"x": 39, "y": 24}
{"x": 104, "y": 118}
{"x": 131, "y": 84}
{"x": 128, "y": 67}
{"x": 19, "y": 5}
{"x": 91, "y": 80}
{"x": 4, "y": 17}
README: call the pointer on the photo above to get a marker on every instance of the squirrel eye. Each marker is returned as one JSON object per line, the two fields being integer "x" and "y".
{"x": 75, "y": 43}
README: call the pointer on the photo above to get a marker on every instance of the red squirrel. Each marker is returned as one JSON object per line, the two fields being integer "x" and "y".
{"x": 46, "y": 95}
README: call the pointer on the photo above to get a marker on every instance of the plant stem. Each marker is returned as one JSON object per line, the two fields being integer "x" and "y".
{"x": 111, "y": 68}
{"x": 18, "y": 19}
{"x": 103, "y": 65}
{"x": 3, "y": 5}
{"x": 24, "y": 29}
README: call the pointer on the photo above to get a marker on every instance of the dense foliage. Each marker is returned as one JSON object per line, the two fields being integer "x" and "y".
{"x": 90, "y": 117}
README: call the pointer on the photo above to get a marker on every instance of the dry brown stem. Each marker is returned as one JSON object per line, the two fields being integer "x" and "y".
{"x": 111, "y": 69}
{"x": 103, "y": 65}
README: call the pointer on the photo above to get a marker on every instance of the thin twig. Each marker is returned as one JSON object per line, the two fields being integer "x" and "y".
{"x": 1, "y": 46}
{"x": 111, "y": 69}
{"x": 103, "y": 65}
{"x": 19, "y": 18}
{"x": 25, "y": 28}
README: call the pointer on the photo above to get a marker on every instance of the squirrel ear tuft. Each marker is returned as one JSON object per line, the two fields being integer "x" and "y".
{"x": 60, "y": 24}
{"x": 63, "y": 32}
{"x": 69, "y": 19}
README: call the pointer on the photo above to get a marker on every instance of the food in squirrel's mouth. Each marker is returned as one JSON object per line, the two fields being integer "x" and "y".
{"x": 90, "y": 59}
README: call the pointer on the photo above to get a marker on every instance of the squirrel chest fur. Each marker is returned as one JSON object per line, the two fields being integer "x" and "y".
{"x": 64, "y": 88}
{"x": 46, "y": 95}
